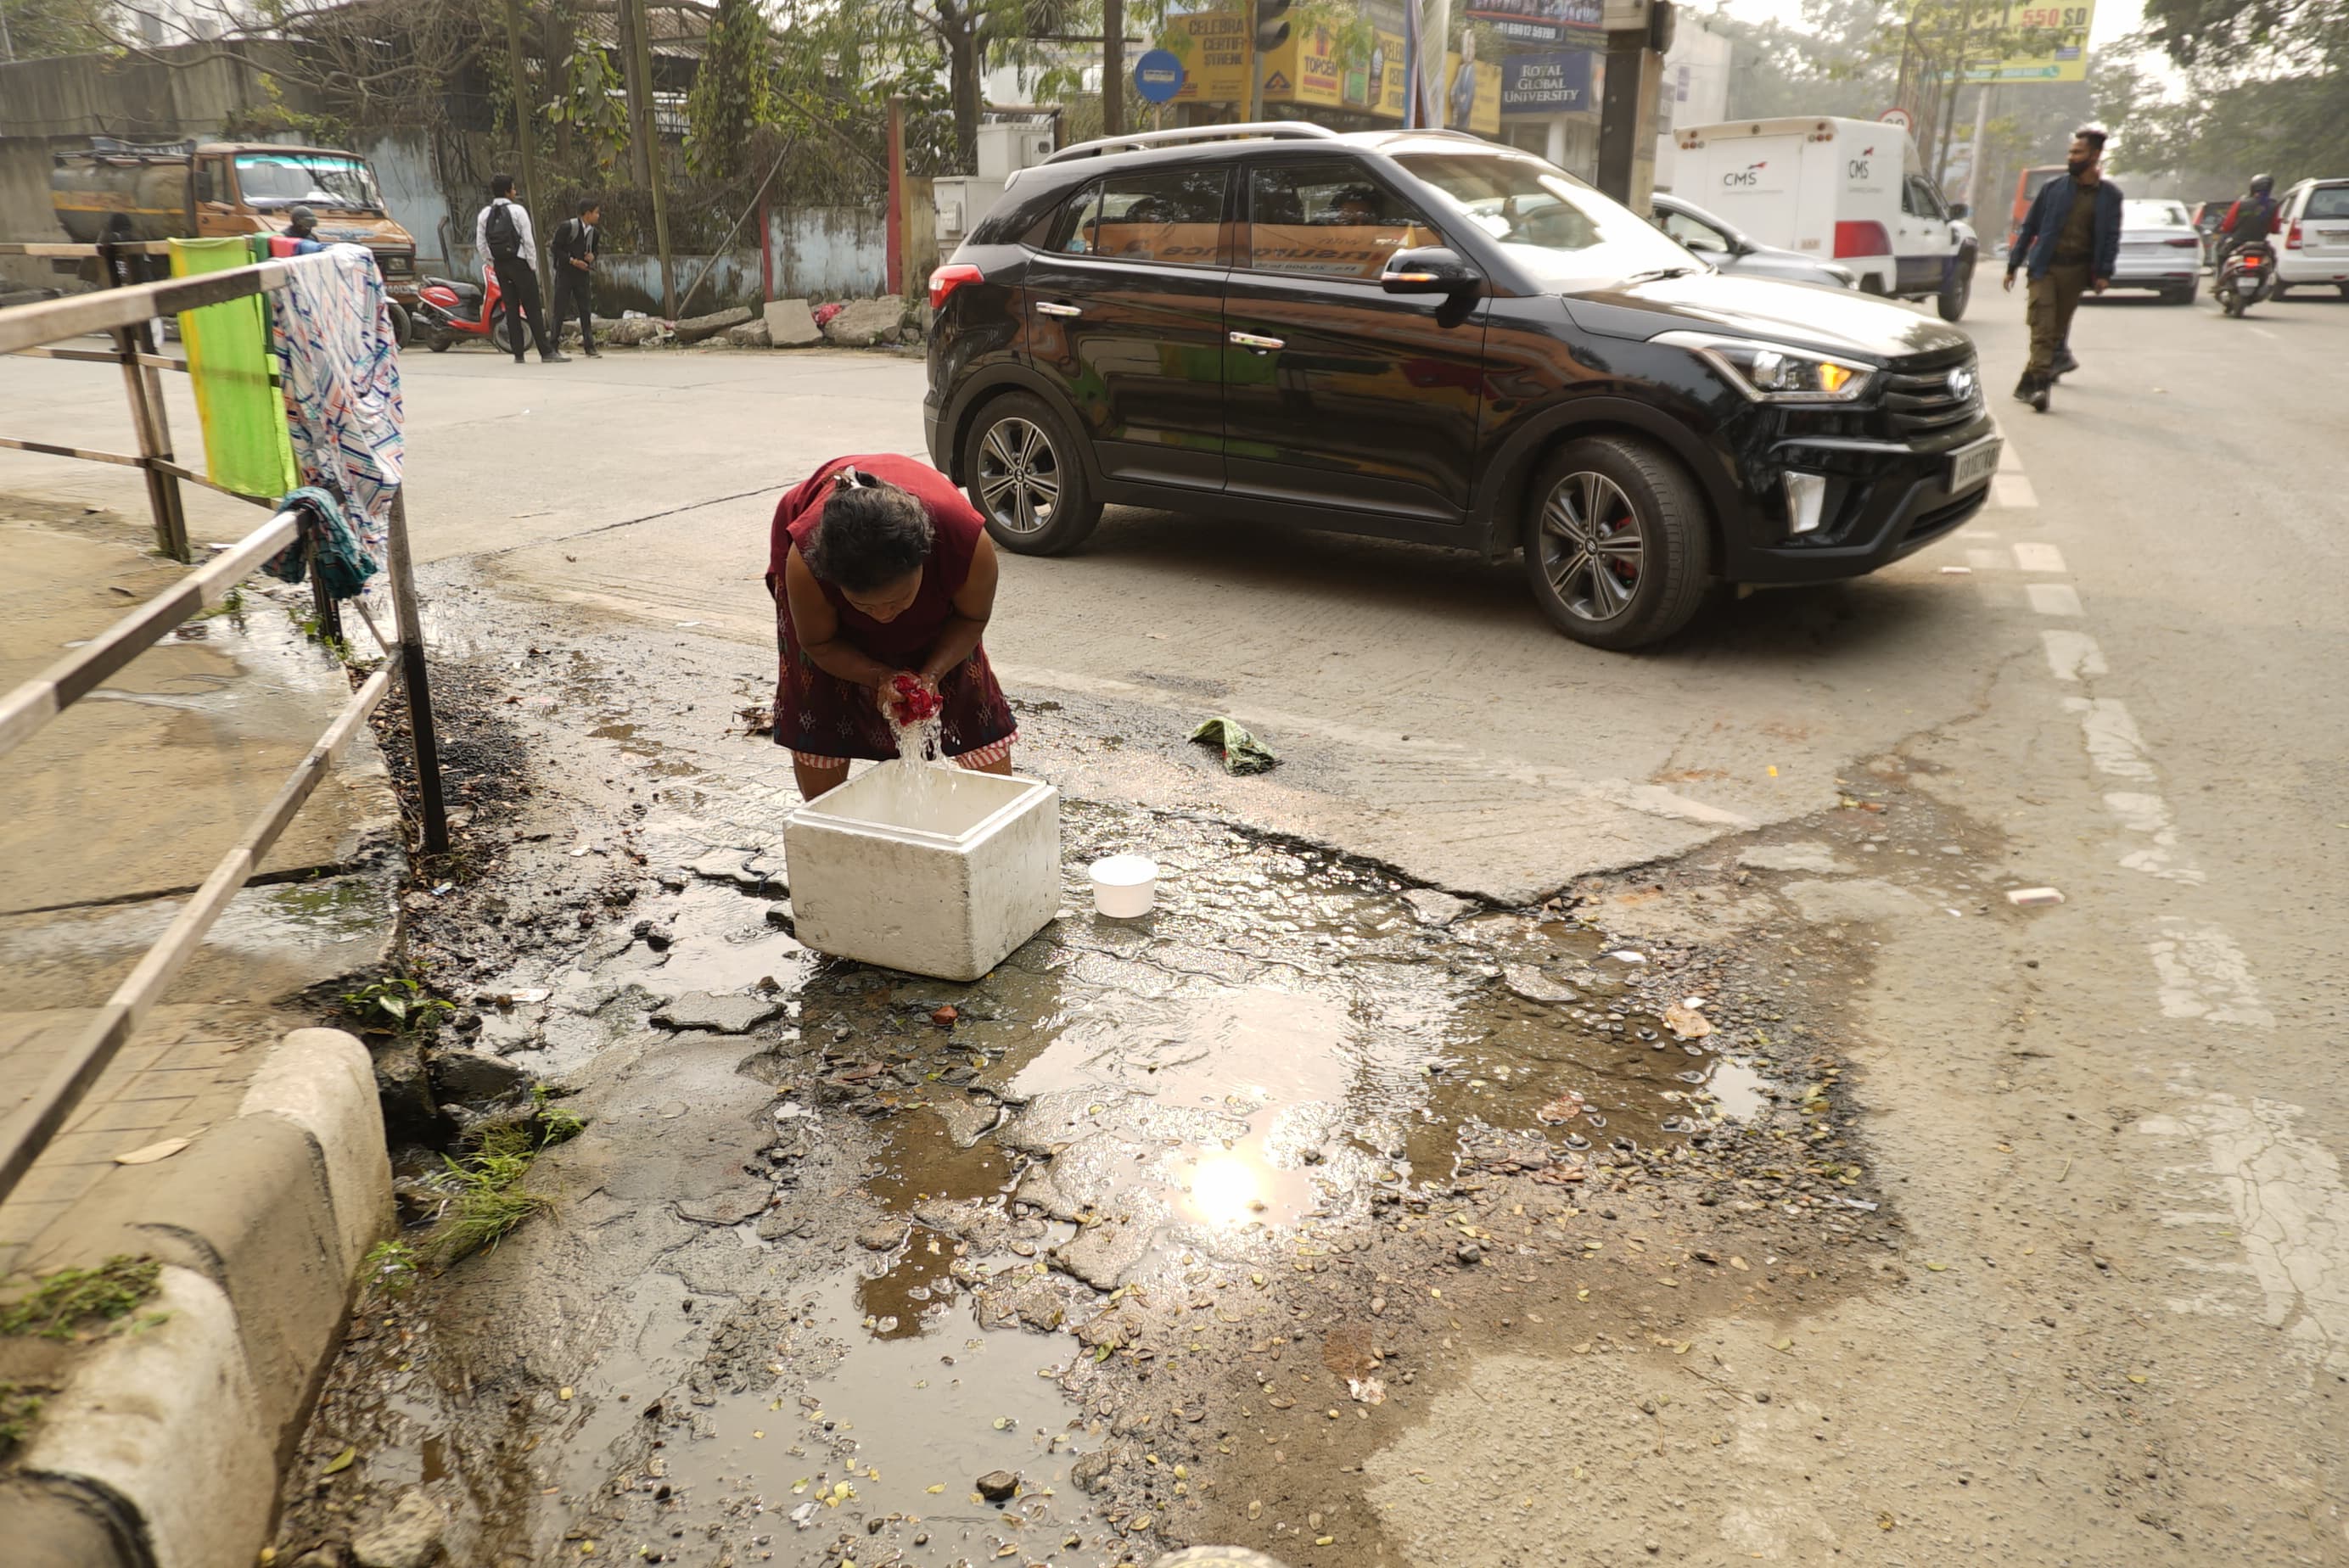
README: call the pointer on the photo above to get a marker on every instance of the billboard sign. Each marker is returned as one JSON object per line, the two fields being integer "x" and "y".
{"x": 1556, "y": 83}
{"x": 2052, "y": 44}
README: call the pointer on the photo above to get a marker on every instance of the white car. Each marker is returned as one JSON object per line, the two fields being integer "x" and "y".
{"x": 2159, "y": 250}
{"x": 2313, "y": 248}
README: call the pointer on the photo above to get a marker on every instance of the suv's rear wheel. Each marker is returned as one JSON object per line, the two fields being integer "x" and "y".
{"x": 1616, "y": 548}
{"x": 1022, "y": 473}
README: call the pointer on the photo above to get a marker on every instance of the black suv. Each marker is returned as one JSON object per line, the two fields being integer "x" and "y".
{"x": 1423, "y": 335}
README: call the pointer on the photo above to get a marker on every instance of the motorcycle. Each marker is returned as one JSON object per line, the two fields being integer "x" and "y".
{"x": 449, "y": 311}
{"x": 2246, "y": 277}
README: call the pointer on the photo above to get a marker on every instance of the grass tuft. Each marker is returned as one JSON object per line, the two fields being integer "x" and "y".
{"x": 70, "y": 1303}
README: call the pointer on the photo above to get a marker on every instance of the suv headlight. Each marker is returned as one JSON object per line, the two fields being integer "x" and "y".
{"x": 1775, "y": 373}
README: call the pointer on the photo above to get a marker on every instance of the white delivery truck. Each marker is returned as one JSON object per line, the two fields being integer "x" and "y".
{"x": 1849, "y": 190}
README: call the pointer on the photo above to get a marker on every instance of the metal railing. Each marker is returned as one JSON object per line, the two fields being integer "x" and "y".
{"x": 124, "y": 312}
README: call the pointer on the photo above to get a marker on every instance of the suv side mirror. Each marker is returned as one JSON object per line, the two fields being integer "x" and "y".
{"x": 1434, "y": 270}
{"x": 1960, "y": 209}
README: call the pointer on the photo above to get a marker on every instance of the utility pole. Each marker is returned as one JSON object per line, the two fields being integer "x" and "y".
{"x": 1981, "y": 147}
{"x": 639, "y": 164}
{"x": 524, "y": 134}
{"x": 645, "y": 131}
{"x": 1957, "y": 79}
{"x": 1638, "y": 34}
{"x": 1435, "y": 32}
{"x": 1112, "y": 68}
{"x": 1270, "y": 31}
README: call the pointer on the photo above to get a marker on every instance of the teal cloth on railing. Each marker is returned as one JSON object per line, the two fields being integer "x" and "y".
{"x": 344, "y": 564}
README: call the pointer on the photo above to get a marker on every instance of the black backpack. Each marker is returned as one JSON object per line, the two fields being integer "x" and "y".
{"x": 503, "y": 233}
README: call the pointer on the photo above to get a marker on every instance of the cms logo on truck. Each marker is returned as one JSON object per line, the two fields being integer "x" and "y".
{"x": 1744, "y": 178}
{"x": 1857, "y": 169}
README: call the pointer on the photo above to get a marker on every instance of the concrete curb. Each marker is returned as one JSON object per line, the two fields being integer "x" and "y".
{"x": 165, "y": 1441}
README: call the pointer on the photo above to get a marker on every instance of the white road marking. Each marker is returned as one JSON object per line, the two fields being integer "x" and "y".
{"x": 2055, "y": 599}
{"x": 2010, "y": 461}
{"x": 2204, "y": 974}
{"x": 2039, "y": 558}
{"x": 2149, "y": 815}
{"x": 2114, "y": 744}
{"x": 1985, "y": 559}
{"x": 2012, "y": 492}
{"x": 2072, "y": 655}
{"x": 2287, "y": 1205}
{"x": 2263, "y": 332}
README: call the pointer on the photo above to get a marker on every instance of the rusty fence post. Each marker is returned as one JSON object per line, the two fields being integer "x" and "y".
{"x": 414, "y": 680}
{"x": 147, "y": 416}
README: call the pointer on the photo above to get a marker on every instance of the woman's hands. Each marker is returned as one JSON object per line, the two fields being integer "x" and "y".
{"x": 904, "y": 697}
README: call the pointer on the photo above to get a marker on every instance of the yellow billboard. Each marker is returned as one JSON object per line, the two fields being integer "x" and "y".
{"x": 1311, "y": 68}
{"x": 1472, "y": 95}
{"x": 1214, "y": 55}
{"x": 2046, "y": 44}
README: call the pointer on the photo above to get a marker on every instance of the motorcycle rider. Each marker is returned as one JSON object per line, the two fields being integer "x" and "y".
{"x": 2253, "y": 217}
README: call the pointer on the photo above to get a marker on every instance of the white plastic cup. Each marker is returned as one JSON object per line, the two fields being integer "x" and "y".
{"x": 1125, "y": 887}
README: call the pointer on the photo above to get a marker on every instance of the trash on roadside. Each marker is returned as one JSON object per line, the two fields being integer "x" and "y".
{"x": 1368, "y": 1390}
{"x": 1625, "y": 955}
{"x": 1243, "y": 753}
{"x": 1682, "y": 1019}
{"x": 2033, "y": 897}
{"x": 1561, "y": 1110}
{"x": 1957, "y": 570}
{"x": 151, "y": 1152}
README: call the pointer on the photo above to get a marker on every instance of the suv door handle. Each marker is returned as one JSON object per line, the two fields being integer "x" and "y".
{"x": 1251, "y": 341}
{"x": 1053, "y": 307}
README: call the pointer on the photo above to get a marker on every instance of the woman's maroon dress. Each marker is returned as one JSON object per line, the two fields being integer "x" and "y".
{"x": 824, "y": 718}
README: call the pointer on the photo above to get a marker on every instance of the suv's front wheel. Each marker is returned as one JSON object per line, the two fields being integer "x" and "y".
{"x": 1022, "y": 473}
{"x": 1616, "y": 547}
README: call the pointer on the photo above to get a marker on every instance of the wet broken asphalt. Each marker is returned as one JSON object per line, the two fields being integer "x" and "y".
{"x": 1159, "y": 1228}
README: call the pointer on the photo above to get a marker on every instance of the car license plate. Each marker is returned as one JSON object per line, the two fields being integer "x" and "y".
{"x": 1972, "y": 466}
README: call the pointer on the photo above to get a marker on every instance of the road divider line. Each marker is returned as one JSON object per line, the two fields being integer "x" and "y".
{"x": 2055, "y": 598}
{"x": 2111, "y": 733}
{"x": 2149, "y": 815}
{"x": 2204, "y": 974}
{"x": 2012, "y": 492}
{"x": 1984, "y": 559}
{"x": 2285, "y": 1204}
{"x": 2074, "y": 655}
{"x": 2039, "y": 558}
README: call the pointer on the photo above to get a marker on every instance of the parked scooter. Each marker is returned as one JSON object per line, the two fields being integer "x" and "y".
{"x": 450, "y": 310}
{"x": 2246, "y": 277}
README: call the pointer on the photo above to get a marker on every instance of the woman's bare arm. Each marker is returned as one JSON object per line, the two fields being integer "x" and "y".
{"x": 972, "y": 606}
{"x": 817, "y": 626}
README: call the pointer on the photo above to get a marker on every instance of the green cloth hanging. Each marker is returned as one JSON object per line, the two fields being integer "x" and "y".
{"x": 247, "y": 448}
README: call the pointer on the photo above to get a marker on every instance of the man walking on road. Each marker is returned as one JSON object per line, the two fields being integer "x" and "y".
{"x": 2071, "y": 241}
{"x": 503, "y": 234}
{"x": 574, "y": 246}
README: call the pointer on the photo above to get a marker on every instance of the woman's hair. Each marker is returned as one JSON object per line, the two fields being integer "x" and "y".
{"x": 871, "y": 534}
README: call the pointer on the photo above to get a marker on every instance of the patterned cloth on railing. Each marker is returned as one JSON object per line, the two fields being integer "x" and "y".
{"x": 344, "y": 563}
{"x": 341, "y": 375}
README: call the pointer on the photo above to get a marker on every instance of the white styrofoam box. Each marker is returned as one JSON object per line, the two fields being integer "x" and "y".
{"x": 941, "y": 875}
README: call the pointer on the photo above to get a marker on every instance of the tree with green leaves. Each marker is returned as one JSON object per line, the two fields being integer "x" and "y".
{"x": 39, "y": 30}
{"x": 730, "y": 91}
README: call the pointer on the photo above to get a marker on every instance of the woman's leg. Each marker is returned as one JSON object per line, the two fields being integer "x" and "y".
{"x": 816, "y": 778}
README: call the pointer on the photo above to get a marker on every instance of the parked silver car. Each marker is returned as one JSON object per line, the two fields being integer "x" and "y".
{"x": 2160, "y": 250}
{"x": 1733, "y": 252}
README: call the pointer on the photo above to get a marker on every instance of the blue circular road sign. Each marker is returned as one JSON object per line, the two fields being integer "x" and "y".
{"x": 1158, "y": 76}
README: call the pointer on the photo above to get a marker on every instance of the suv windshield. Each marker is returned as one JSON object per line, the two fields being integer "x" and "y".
{"x": 1565, "y": 232}
{"x": 309, "y": 179}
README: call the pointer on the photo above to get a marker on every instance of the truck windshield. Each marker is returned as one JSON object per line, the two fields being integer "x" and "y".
{"x": 1551, "y": 223}
{"x": 309, "y": 179}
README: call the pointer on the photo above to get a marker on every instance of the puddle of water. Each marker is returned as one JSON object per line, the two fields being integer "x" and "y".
{"x": 720, "y": 940}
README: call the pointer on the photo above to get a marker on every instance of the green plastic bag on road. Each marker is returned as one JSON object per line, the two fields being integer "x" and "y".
{"x": 229, "y": 366}
{"x": 1243, "y": 753}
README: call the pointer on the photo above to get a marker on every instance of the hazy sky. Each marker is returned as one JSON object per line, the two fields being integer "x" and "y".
{"x": 2113, "y": 18}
